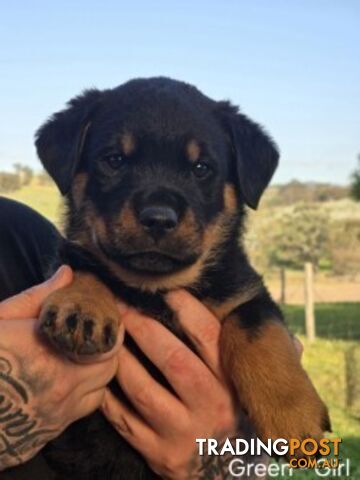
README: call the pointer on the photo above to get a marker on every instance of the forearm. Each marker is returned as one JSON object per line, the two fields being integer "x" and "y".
{"x": 24, "y": 428}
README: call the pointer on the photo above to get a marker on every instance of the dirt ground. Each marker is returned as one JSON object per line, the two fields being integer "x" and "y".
{"x": 327, "y": 288}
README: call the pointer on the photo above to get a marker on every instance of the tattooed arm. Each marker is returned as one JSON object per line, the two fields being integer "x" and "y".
{"x": 40, "y": 392}
{"x": 24, "y": 429}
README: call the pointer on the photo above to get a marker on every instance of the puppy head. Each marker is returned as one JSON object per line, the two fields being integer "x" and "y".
{"x": 156, "y": 175}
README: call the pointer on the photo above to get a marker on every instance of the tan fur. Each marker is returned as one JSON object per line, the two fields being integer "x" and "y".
{"x": 222, "y": 309}
{"x": 128, "y": 221}
{"x": 188, "y": 230}
{"x": 193, "y": 151}
{"x": 271, "y": 384}
{"x": 78, "y": 188}
{"x": 230, "y": 198}
{"x": 127, "y": 142}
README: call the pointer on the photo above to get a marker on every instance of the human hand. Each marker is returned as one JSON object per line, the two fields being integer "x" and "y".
{"x": 41, "y": 392}
{"x": 165, "y": 426}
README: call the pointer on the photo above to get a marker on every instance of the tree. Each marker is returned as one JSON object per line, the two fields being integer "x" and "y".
{"x": 355, "y": 183}
{"x": 301, "y": 236}
{"x": 345, "y": 246}
{"x": 24, "y": 172}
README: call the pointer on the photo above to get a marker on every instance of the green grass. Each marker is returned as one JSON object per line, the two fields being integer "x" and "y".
{"x": 324, "y": 360}
{"x": 333, "y": 320}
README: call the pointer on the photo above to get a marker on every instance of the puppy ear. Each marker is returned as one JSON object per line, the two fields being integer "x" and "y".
{"x": 60, "y": 141}
{"x": 255, "y": 153}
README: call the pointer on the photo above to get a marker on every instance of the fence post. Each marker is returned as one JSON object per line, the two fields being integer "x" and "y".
{"x": 309, "y": 302}
{"x": 282, "y": 286}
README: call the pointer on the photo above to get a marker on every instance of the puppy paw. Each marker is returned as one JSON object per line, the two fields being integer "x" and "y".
{"x": 80, "y": 321}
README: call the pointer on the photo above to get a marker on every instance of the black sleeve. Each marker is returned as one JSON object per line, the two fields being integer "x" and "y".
{"x": 28, "y": 243}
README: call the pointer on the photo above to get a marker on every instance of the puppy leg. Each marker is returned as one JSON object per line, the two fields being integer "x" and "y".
{"x": 81, "y": 318}
{"x": 272, "y": 386}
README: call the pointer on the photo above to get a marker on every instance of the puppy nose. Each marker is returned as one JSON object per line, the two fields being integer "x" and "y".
{"x": 158, "y": 219}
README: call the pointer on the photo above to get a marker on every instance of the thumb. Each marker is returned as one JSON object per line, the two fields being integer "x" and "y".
{"x": 27, "y": 304}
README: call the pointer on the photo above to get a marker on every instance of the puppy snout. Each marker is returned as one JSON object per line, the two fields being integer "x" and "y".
{"x": 158, "y": 220}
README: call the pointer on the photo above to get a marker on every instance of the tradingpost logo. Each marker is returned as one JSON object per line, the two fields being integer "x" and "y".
{"x": 321, "y": 455}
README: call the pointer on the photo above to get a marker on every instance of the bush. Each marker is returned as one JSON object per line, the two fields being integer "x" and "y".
{"x": 345, "y": 246}
{"x": 301, "y": 235}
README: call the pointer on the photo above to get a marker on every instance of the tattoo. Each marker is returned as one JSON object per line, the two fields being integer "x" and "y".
{"x": 21, "y": 432}
{"x": 210, "y": 467}
{"x": 216, "y": 467}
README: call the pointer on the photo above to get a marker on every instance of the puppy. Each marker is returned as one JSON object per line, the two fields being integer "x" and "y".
{"x": 156, "y": 177}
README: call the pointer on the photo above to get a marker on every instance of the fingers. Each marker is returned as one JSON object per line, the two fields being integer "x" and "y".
{"x": 200, "y": 325}
{"x": 184, "y": 370}
{"x": 88, "y": 404}
{"x": 154, "y": 402}
{"x": 130, "y": 426}
{"x": 88, "y": 378}
{"x": 27, "y": 304}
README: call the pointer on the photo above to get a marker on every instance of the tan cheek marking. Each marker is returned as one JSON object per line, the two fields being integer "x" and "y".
{"x": 230, "y": 198}
{"x": 127, "y": 143}
{"x": 193, "y": 151}
{"x": 127, "y": 219}
{"x": 78, "y": 188}
{"x": 188, "y": 229}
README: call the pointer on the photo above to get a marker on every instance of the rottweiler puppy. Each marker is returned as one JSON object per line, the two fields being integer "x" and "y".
{"x": 156, "y": 178}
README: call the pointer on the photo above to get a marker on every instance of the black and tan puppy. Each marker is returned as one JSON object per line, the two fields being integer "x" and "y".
{"x": 156, "y": 177}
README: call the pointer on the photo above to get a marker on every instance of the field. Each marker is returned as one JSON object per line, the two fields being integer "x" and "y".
{"x": 324, "y": 360}
{"x": 337, "y": 324}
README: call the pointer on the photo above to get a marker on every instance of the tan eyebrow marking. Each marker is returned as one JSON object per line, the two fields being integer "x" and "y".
{"x": 193, "y": 150}
{"x": 127, "y": 143}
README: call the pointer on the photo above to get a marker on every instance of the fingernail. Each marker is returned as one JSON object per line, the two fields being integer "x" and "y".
{"x": 59, "y": 272}
{"x": 122, "y": 426}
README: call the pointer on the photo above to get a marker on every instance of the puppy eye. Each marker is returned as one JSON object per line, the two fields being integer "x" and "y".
{"x": 114, "y": 160}
{"x": 201, "y": 169}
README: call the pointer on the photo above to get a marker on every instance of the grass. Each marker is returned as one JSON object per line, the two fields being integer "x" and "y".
{"x": 333, "y": 320}
{"x": 324, "y": 360}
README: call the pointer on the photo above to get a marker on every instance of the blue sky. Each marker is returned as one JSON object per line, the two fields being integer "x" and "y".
{"x": 294, "y": 66}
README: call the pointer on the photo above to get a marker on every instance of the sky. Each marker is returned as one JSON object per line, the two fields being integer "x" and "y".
{"x": 293, "y": 66}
